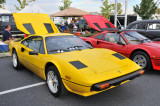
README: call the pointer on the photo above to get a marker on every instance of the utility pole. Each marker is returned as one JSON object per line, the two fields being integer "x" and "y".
{"x": 126, "y": 5}
{"x": 115, "y": 14}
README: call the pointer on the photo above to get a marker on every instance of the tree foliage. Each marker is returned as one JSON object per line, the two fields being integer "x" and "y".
{"x": 107, "y": 9}
{"x": 66, "y": 4}
{"x": 146, "y": 9}
{"x": 158, "y": 11}
{"x": 119, "y": 8}
{"x": 1, "y": 3}
{"x": 23, "y": 4}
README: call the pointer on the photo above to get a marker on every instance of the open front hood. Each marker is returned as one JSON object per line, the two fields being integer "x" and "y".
{"x": 34, "y": 23}
{"x": 99, "y": 23}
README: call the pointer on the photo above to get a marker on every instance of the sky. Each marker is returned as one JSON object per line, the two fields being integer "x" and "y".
{"x": 52, "y": 6}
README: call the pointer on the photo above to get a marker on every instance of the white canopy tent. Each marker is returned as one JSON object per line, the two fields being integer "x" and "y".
{"x": 4, "y": 11}
{"x": 32, "y": 9}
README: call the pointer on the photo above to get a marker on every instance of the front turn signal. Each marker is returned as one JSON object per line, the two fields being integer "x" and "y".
{"x": 141, "y": 72}
{"x": 103, "y": 86}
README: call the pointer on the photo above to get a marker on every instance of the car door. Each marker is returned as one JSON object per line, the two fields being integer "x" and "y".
{"x": 99, "y": 40}
{"x": 153, "y": 30}
{"x": 115, "y": 42}
{"x": 33, "y": 62}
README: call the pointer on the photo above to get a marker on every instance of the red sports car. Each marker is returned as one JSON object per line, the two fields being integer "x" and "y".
{"x": 131, "y": 44}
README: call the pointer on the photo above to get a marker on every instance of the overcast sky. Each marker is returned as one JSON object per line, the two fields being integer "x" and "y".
{"x": 52, "y": 6}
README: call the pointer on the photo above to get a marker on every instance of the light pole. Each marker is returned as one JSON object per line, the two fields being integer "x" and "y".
{"x": 115, "y": 14}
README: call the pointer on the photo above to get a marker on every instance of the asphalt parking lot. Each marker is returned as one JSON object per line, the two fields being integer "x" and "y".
{"x": 23, "y": 88}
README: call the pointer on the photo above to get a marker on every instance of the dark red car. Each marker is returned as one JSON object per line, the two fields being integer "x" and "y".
{"x": 133, "y": 45}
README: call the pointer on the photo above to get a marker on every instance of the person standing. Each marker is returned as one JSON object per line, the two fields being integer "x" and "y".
{"x": 7, "y": 36}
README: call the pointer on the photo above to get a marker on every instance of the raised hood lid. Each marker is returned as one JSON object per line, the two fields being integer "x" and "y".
{"x": 34, "y": 23}
{"x": 99, "y": 23}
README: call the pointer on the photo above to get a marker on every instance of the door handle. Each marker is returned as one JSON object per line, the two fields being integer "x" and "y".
{"x": 22, "y": 49}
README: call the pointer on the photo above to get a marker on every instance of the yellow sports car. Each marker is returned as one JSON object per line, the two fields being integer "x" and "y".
{"x": 65, "y": 61}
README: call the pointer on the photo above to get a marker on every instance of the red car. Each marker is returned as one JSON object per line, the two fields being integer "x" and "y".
{"x": 131, "y": 44}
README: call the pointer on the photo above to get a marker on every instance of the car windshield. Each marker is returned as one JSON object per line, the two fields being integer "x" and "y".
{"x": 59, "y": 44}
{"x": 135, "y": 38}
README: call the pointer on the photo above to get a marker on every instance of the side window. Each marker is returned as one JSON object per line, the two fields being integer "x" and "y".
{"x": 35, "y": 43}
{"x": 5, "y": 18}
{"x": 141, "y": 26}
{"x": 114, "y": 38}
{"x": 99, "y": 36}
{"x": 154, "y": 26}
{"x": 134, "y": 26}
{"x": 26, "y": 42}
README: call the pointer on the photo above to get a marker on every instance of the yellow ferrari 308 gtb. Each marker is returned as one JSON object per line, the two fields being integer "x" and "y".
{"x": 65, "y": 61}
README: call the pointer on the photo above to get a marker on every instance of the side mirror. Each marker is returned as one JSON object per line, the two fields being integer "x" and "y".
{"x": 33, "y": 53}
{"x": 120, "y": 43}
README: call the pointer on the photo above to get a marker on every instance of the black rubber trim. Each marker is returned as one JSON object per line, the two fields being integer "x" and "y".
{"x": 49, "y": 27}
{"x": 29, "y": 28}
{"x": 75, "y": 83}
{"x": 119, "y": 56}
{"x": 116, "y": 81}
{"x": 78, "y": 64}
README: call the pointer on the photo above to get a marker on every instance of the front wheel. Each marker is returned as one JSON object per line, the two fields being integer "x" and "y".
{"x": 54, "y": 82}
{"x": 15, "y": 60}
{"x": 142, "y": 59}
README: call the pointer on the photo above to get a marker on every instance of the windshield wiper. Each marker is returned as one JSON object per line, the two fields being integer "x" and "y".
{"x": 75, "y": 47}
{"x": 59, "y": 50}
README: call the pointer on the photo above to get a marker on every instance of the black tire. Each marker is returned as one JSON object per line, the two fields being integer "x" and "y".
{"x": 148, "y": 65}
{"x": 61, "y": 88}
{"x": 16, "y": 65}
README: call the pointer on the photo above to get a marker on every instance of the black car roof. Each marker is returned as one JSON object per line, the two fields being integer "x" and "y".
{"x": 142, "y": 21}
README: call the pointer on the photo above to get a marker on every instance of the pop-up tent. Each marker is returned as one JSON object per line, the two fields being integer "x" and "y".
{"x": 70, "y": 12}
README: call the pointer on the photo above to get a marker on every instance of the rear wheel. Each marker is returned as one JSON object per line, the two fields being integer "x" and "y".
{"x": 54, "y": 82}
{"x": 142, "y": 59}
{"x": 15, "y": 60}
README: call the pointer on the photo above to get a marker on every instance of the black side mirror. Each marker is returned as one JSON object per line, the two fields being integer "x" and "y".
{"x": 120, "y": 43}
{"x": 33, "y": 53}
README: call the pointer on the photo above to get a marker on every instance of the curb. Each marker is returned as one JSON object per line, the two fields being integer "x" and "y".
{"x": 7, "y": 54}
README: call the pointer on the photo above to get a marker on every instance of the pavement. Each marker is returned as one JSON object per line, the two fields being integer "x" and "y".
{"x": 24, "y": 88}
{"x": 6, "y": 54}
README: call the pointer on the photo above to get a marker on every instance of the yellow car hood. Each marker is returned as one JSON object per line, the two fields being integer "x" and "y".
{"x": 97, "y": 60}
{"x": 34, "y": 23}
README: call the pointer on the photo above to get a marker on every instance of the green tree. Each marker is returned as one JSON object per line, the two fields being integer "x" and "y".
{"x": 158, "y": 11}
{"x": 23, "y": 4}
{"x": 107, "y": 9}
{"x": 119, "y": 8}
{"x": 146, "y": 9}
{"x": 1, "y": 3}
{"x": 66, "y": 4}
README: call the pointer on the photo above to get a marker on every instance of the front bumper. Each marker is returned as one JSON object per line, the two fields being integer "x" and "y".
{"x": 156, "y": 64}
{"x": 116, "y": 81}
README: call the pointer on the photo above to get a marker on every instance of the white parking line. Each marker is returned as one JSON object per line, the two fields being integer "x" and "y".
{"x": 21, "y": 88}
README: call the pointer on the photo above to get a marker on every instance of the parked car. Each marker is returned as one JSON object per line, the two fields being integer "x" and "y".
{"x": 7, "y": 19}
{"x": 131, "y": 44}
{"x": 67, "y": 62}
{"x": 148, "y": 28}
